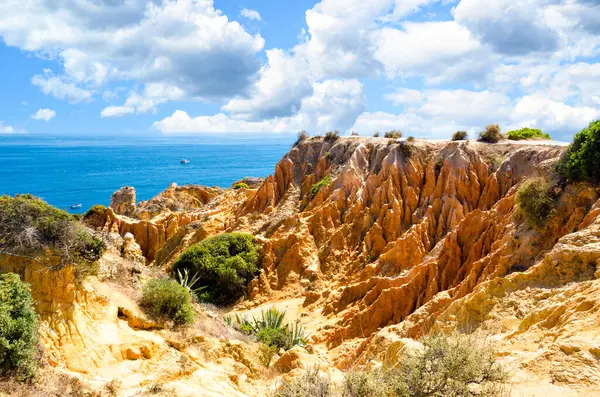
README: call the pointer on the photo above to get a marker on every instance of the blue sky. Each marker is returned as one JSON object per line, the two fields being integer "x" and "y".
{"x": 426, "y": 67}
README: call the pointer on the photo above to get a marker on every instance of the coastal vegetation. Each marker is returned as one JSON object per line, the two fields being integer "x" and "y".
{"x": 535, "y": 202}
{"x": 317, "y": 186}
{"x": 167, "y": 299}
{"x": 240, "y": 185}
{"x": 332, "y": 136}
{"x": 491, "y": 134}
{"x": 270, "y": 329}
{"x": 459, "y": 136}
{"x": 581, "y": 161}
{"x": 95, "y": 210}
{"x": 302, "y": 136}
{"x": 526, "y": 133}
{"x": 18, "y": 328}
{"x": 393, "y": 134}
{"x": 224, "y": 265}
{"x": 32, "y": 229}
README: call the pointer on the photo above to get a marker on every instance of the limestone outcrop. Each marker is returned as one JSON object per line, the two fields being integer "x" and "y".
{"x": 123, "y": 201}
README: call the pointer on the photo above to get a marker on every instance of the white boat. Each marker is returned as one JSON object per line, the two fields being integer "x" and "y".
{"x": 75, "y": 206}
{"x": 185, "y": 161}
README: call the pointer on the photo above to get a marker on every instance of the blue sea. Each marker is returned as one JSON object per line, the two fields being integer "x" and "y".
{"x": 87, "y": 170}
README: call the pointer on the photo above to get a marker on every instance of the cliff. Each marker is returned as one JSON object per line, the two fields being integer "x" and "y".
{"x": 366, "y": 242}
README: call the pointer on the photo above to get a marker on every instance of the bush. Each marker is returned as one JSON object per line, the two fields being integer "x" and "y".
{"x": 97, "y": 209}
{"x": 410, "y": 139}
{"x": 354, "y": 133}
{"x": 535, "y": 202}
{"x": 526, "y": 133}
{"x": 376, "y": 135}
{"x": 309, "y": 384}
{"x": 270, "y": 329}
{"x": 18, "y": 328}
{"x": 240, "y": 185}
{"x": 332, "y": 136}
{"x": 446, "y": 365}
{"x": 265, "y": 354}
{"x": 30, "y": 227}
{"x": 406, "y": 148}
{"x": 166, "y": 298}
{"x": 302, "y": 136}
{"x": 224, "y": 266}
{"x": 460, "y": 136}
{"x": 394, "y": 134}
{"x": 317, "y": 186}
{"x": 581, "y": 162}
{"x": 491, "y": 134}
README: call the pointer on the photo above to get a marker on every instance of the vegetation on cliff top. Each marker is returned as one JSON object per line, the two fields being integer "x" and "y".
{"x": 317, "y": 186}
{"x": 526, "y": 133}
{"x": 459, "y": 136}
{"x": 241, "y": 185}
{"x": 18, "y": 328}
{"x": 581, "y": 162}
{"x": 491, "y": 134}
{"x": 393, "y": 134}
{"x": 224, "y": 266}
{"x": 165, "y": 298}
{"x": 31, "y": 228}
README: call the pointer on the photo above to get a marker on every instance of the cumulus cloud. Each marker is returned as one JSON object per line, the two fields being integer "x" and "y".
{"x": 251, "y": 14}
{"x": 6, "y": 129}
{"x": 186, "y": 44}
{"x": 44, "y": 115}
{"x": 333, "y": 104}
{"x": 438, "y": 113}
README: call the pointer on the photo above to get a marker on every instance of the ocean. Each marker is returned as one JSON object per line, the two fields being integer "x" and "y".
{"x": 86, "y": 170}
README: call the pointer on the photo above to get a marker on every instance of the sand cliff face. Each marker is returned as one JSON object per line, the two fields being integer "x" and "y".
{"x": 405, "y": 238}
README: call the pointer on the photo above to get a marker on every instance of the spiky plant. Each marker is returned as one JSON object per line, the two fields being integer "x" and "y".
{"x": 189, "y": 283}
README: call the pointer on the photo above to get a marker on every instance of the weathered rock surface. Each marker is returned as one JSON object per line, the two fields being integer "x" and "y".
{"x": 123, "y": 201}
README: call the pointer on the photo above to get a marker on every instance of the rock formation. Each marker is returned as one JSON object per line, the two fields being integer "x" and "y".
{"x": 369, "y": 243}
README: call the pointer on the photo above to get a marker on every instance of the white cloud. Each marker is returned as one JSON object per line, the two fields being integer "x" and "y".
{"x": 438, "y": 113}
{"x": 284, "y": 81}
{"x": 116, "y": 111}
{"x": 333, "y": 104}
{"x": 251, "y": 14}
{"x": 153, "y": 95}
{"x": 44, "y": 115}
{"x": 59, "y": 87}
{"x": 6, "y": 129}
{"x": 186, "y": 44}
{"x": 405, "y": 96}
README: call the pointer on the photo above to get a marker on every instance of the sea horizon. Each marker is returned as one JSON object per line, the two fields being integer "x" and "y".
{"x": 66, "y": 170}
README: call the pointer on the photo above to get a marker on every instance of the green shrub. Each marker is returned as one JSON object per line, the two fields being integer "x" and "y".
{"x": 332, "y": 136}
{"x": 581, "y": 161}
{"x": 446, "y": 365}
{"x": 309, "y": 384}
{"x": 526, "y": 133}
{"x": 240, "y": 185}
{"x": 317, "y": 186}
{"x": 97, "y": 209}
{"x": 265, "y": 354}
{"x": 270, "y": 329}
{"x": 491, "y": 134}
{"x": 30, "y": 227}
{"x": 224, "y": 266}
{"x": 376, "y": 135}
{"x": 460, "y": 136}
{"x": 393, "y": 134}
{"x": 167, "y": 299}
{"x": 406, "y": 148}
{"x": 535, "y": 202}
{"x": 410, "y": 139}
{"x": 18, "y": 328}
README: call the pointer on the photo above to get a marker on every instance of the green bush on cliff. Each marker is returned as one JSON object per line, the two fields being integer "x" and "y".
{"x": 526, "y": 133}
{"x": 166, "y": 298}
{"x": 491, "y": 134}
{"x": 460, "y": 136}
{"x": 30, "y": 227}
{"x": 581, "y": 162}
{"x": 18, "y": 328}
{"x": 224, "y": 266}
{"x": 445, "y": 365}
{"x": 317, "y": 186}
{"x": 535, "y": 202}
{"x": 96, "y": 209}
{"x": 240, "y": 185}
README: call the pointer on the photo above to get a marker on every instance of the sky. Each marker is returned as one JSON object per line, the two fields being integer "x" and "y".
{"x": 172, "y": 67}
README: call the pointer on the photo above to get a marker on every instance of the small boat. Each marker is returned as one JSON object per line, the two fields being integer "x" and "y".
{"x": 185, "y": 161}
{"x": 75, "y": 206}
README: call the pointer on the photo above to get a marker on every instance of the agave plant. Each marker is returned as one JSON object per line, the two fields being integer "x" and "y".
{"x": 188, "y": 282}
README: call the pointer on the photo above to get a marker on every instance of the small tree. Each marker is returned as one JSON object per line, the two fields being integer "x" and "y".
{"x": 491, "y": 134}
{"x": 332, "y": 136}
{"x": 393, "y": 134}
{"x": 302, "y": 136}
{"x": 459, "y": 136}
{"x": 18, "y": 328}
